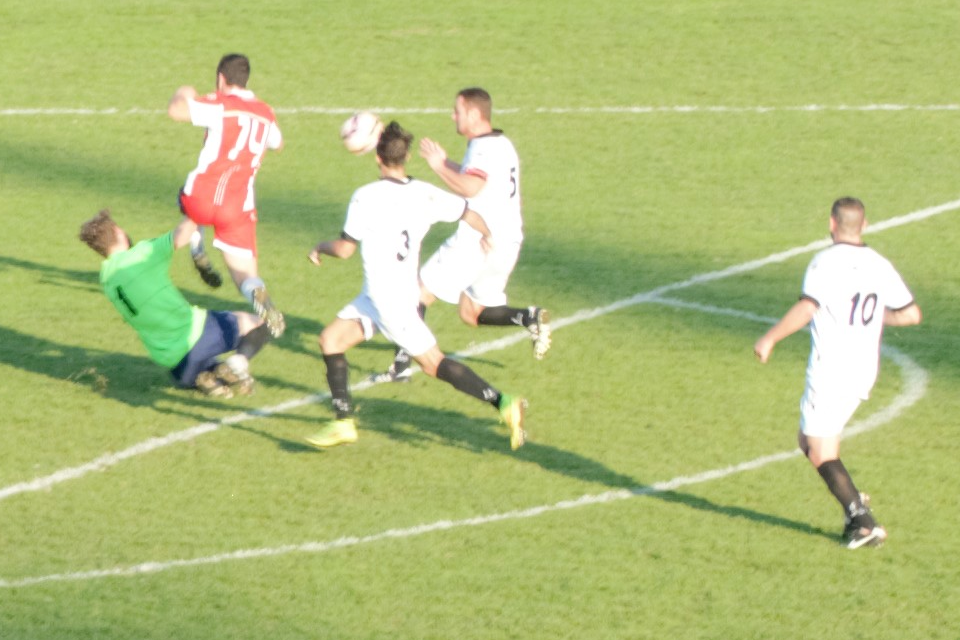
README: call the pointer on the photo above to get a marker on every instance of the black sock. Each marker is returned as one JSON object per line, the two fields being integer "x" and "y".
{"x": 505, "y": 316}
{"x": 841, "y": 486}
{"x": 464, "y": 379}
{"x": 338, "y": 380}
{"x": 255, "y": 339}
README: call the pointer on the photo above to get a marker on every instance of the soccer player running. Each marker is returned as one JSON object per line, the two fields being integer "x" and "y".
{"x": 219, "y": 191}
{"x": 849, "y": 293}
{"x": 185, "y": 339}
{"x": 460, "y": 272}
{"x": 388, "y": 219}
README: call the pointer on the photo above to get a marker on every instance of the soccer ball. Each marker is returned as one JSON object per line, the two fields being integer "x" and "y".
{"x": 361, "y": 132}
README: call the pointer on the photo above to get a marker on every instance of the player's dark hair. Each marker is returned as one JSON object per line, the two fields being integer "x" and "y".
{"x": 394, "y": 145}
{"x": 848, "y": 213}
{"x": 235, "y": 68}
{"x": 99, "y": 232}
{"x": 478, "y": 99}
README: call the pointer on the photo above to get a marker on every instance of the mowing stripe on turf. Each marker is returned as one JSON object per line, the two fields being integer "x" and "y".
{"x": 600, "y": 110}
{"x": 110, "y": 459}
{"x": 915, "y": 385}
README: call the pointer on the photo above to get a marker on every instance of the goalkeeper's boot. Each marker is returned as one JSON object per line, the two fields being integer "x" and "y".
{"x": 205, "y": 268}
{"x": 540, "y": 332}
{"x": 511, "y": 412}
{"x": 269, "y": 313}
{"x": 341, "y": 431}
{"x": 210, "y": 385}
{"x": 238, "y": 377}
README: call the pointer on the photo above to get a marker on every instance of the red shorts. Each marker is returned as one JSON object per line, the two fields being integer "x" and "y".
{"x": 232, "y": 228}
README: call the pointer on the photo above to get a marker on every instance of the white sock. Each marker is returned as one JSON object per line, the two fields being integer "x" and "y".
{"x": 248, "y": 286}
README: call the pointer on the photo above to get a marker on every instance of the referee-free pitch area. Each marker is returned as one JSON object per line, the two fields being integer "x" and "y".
{"x": 679, "y": 160}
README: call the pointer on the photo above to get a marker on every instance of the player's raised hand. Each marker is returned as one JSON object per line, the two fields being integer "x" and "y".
{"x": 433, "y": 153}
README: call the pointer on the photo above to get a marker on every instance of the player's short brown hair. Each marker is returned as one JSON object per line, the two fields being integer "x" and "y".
{"x": 478, "y": 99}
{"x": 99, "y": 232}
{"x": 394, "y": 145}
{"x": 849, "y": 213}
{"x": 235, "y": 68}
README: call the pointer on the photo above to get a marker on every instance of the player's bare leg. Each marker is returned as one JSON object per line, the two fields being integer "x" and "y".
{"x": 243, "y": 269}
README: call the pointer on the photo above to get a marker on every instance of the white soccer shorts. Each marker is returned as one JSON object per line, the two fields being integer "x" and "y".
{"x": 402, "y": 326}
{"x": 824, "y": 415}
{"x": 460, "y": 265}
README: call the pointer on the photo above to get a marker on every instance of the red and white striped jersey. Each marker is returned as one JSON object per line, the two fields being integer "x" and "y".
{"x": 240, "y": 128}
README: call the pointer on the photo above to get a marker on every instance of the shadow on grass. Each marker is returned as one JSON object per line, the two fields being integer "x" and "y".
{"x": 424, "y": 426}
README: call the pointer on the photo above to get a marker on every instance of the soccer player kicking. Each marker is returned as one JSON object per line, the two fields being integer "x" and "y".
{"x": 460, "y": 272}
{"x": 219, "y": 191}
{"x": 186, "y": 340}
{"x": 849, "y": 293}
{"x": 389, "y": 219}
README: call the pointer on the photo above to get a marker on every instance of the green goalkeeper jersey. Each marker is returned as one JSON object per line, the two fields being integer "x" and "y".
{"x": 138, "y": 283}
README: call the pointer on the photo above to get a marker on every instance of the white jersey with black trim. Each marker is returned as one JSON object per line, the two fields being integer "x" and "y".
{"x": 852, "y": 286}
{"x": 494, "y": 158}
{"x": 389, "y": 218}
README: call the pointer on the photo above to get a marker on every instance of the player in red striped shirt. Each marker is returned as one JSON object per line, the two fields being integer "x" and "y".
{"x": 219, "y": 191}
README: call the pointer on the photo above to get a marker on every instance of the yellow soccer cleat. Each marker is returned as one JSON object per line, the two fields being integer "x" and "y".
{"x": 511, "y": 412}
{"x": 342, "y": 431}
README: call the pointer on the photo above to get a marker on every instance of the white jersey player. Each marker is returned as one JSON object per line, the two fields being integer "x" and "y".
{"x": 388, "y": 220}
{"x": 459, "y": 273}
{"x": 849, "y": 293}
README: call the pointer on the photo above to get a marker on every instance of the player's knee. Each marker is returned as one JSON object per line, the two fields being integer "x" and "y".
{"x": 328, "y": 343}
{"x": 469, "y": 314}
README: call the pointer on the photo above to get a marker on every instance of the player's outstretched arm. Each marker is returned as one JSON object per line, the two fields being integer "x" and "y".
{"x": 183, "y": 231}
{"x": 909, "y": 315}
{"x": 339, "y": 248}
{"x": 474, "y": 219}
{"x": 463, "y": 184}
{"x": 179, "y": 106}
{"x": 792, "y": 321}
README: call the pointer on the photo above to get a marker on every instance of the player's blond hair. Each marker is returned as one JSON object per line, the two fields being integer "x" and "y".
{"x": 99, "y": 232}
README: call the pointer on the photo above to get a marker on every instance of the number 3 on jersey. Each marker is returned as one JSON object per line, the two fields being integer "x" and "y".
{"x": 404, "y": 246}
{"x": 867, "y": 308}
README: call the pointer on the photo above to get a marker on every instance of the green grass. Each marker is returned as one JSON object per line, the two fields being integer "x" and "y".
{"x": 615, "y": 204}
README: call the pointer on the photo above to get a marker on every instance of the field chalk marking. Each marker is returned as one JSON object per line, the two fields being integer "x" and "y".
{"x": 915, "y": 383}
{"x": 600, "y": 110}
{"x": 111, "y": 459}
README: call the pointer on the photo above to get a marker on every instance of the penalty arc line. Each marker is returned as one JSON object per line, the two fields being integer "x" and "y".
{"x": 111, "y": 459}
{"x": 915, "y": 383}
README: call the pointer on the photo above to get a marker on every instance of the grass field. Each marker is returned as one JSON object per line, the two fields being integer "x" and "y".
{"x": 664, "y": 144}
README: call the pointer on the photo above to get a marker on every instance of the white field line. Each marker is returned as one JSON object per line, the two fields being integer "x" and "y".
{"x": 599, "y": 110}
{"x": 111, "y": 459}
{"x": 915, "y": 383}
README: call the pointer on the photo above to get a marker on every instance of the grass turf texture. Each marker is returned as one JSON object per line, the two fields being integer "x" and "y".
{"x": 615, "y": 204}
